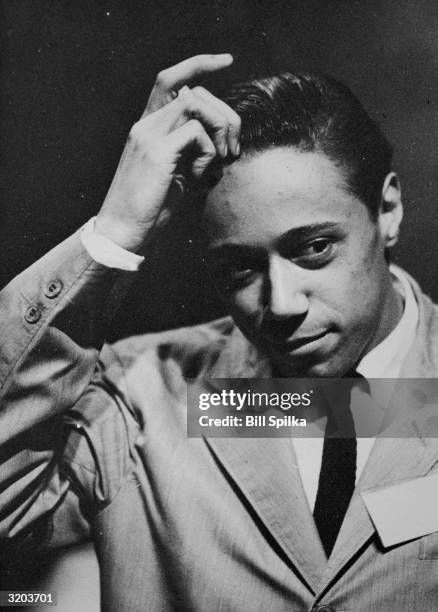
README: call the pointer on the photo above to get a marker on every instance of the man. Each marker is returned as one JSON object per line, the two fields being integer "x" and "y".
{"x": 300, "y": 211}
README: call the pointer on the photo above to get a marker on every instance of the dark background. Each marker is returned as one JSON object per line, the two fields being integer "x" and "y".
{"x": 76, "y": 75}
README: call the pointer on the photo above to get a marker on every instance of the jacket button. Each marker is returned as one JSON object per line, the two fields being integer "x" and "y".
{"x": 33, "y": 314}
{"x": 53, "y": 288}
{"x": 325, "y": 609}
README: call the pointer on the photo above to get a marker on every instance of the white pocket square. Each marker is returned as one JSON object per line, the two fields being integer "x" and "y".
{"x": 404, "y": 511}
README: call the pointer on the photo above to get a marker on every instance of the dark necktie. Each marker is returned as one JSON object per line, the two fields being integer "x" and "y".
{"x": 338, "y": 475}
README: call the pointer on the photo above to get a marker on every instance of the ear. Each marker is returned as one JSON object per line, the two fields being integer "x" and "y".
{"x": 391, "y": 210}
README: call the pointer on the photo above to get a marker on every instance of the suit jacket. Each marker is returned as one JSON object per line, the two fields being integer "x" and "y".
{"x": 187, "y": 524}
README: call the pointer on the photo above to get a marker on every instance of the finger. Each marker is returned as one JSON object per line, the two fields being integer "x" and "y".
{"x": 170, "y": 80}
{"x": 215, "y": 123}
{"x": 181, "y": 110}
{"x": 186, "y": 107}
{"x": 234, "y": 121}
{"x": 193, "y": 134}
{"x": 192, "y": 68}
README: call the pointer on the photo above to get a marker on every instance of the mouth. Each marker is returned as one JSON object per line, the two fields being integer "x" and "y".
{"x": 293, "y": 345}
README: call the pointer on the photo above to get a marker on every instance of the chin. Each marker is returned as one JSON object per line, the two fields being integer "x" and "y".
{"x": 325, "y": 371}
{"x": 309, "y": 368}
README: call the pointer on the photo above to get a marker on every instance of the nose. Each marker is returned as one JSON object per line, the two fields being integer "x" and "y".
{"x": 287, "y": 296}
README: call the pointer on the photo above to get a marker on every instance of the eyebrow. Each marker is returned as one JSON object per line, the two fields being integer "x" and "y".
{"x": 296, "y": 233}
{"x": 306, "y": 231}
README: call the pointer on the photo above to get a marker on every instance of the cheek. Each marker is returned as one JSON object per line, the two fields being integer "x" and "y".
{"x": 361, "y": 302}
{"x": 347, "y": 296}
{"x": 369, "y": 256}
{"x": 359, "y": 275}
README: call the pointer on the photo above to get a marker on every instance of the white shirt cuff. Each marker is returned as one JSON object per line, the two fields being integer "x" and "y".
{"x": 106, "y": 252}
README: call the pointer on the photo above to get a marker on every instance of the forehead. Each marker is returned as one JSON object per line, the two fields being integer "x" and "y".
{"x": 264, "y": 194}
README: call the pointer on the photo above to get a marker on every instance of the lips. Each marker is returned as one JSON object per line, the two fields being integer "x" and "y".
{"x": 293, "y": 344}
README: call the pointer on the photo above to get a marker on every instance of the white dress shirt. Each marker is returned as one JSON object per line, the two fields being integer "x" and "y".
{"x": 382, "y": 362}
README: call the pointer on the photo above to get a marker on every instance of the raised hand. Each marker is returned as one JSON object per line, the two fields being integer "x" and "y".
{"x": 181, "y": 128}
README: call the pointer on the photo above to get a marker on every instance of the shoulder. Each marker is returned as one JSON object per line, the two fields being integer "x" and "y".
{"x": 429, "y": 327}
{"x": 425, "y": 348}
{"x": 192, "y": 349}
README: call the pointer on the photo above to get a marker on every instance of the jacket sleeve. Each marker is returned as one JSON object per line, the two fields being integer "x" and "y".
{"x": 53, "y": 321}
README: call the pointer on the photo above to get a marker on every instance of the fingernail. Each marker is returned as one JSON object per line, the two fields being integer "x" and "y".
{"x": 224, "y": 57}
{"x": 237, "y": 148}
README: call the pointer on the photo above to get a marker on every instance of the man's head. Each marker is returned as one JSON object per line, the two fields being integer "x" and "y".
{"x": 299, "y": 225}
{"x": 315, "y": 113}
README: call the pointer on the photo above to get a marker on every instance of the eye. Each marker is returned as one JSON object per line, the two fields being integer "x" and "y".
{"x": 317, "y": 247}
{"x": 315, "y": 253}
{"x": 239, "y": 274}
{"x": 235, "y": 276}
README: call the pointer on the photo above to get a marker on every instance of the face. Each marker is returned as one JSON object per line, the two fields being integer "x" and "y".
{"x": 299, "y": 262}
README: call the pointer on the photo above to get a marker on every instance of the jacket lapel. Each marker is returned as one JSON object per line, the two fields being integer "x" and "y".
{"x": 266, "y": 472}
{"x": 392, "y": 460}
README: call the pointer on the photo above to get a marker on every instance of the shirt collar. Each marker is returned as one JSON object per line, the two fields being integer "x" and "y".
{"x": 386, "y": 359}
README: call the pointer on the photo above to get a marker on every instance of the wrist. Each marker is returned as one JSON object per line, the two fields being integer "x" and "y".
{"x": 119, "y": 233}
{"x": 107, "y": 252}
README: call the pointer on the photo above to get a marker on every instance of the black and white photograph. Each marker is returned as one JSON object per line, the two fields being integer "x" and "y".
{"x": 218, "y": 305}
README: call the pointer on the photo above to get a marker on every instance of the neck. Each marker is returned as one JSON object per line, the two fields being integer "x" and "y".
{"x": 392, "y": 311}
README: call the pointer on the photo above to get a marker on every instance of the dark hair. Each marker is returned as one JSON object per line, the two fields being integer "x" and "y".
{"x": 315, "y": 113}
